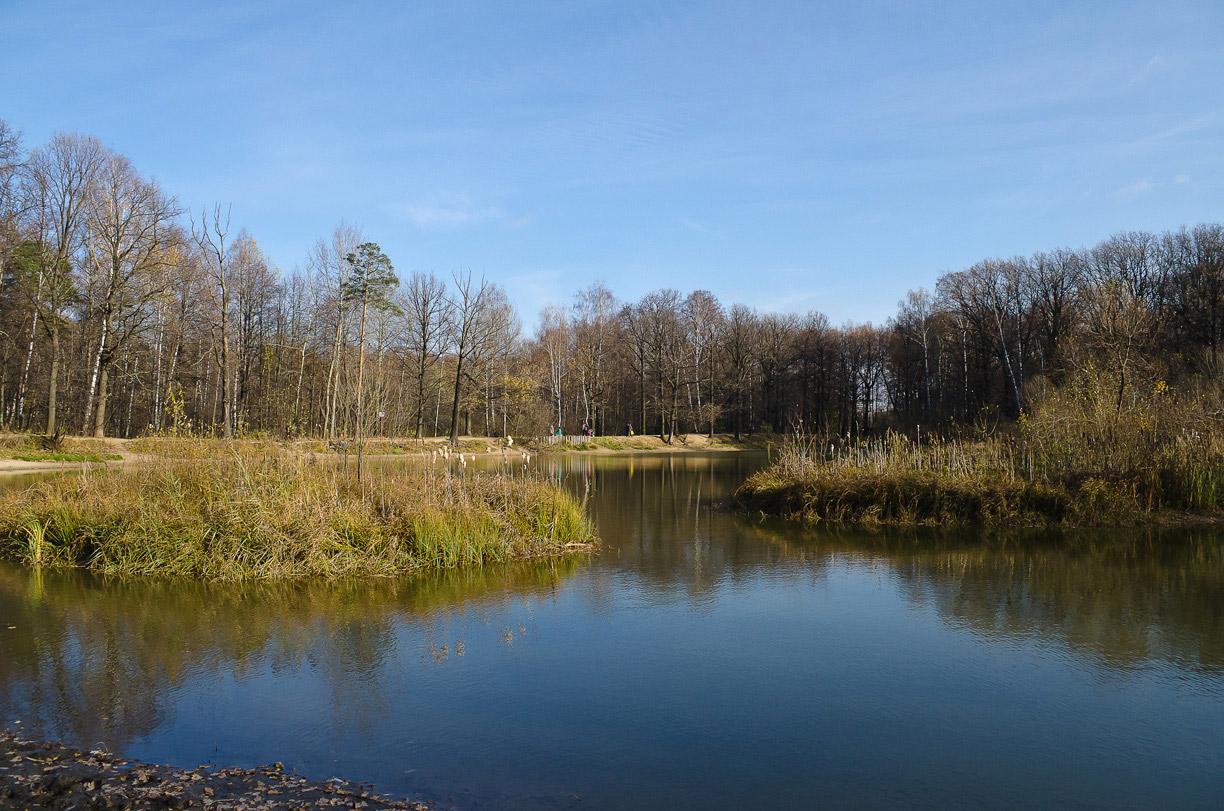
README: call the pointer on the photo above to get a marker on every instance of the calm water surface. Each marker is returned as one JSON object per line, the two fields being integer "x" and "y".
{"x": 699, "y": 660}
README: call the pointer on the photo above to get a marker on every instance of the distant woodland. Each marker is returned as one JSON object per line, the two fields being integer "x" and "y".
{"x": 123, "y": 313}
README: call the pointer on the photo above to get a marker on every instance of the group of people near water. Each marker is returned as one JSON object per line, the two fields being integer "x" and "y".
{"x": 587, "y": 431}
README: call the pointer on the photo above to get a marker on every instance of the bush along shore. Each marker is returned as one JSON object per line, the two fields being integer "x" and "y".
{"x": 1080, "y": 457}
{"x": 274, "y": 514}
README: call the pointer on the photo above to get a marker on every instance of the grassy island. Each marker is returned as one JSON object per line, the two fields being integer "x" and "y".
{"x": 1079, "y": 458}
{"x": 228, "y": 515}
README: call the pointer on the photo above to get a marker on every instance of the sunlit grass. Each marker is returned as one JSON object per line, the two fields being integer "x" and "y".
{"x": 272, "y": 514}
{"x": 68, "y": 456}
{"x": 1079, "y": 458}
{"x": 37, "y": 448}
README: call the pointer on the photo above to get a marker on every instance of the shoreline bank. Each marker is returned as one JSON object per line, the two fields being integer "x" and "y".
{"x": 928, "y": 498}
{"x": 48, "y": 775}
{"x": 113, "y": 452}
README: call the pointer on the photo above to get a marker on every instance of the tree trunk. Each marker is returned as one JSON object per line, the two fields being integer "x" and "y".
{"x": 53, "y": 390}
{"x": 127, "y": 423}
{"x": 93, "y": 375}
{"x": 227, "y": 410}
{"x": 100, "y": 424}
{"x": 297, "y": 398}
{"x": 360, "y": 393}
{"x": 156, "y": 405}
{"x": 19, "y": 410}
{"x": 454, "y": 427}
{"x": 420, "y": 409}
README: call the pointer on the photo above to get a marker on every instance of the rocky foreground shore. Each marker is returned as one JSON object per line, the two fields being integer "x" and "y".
{"x": 40, "y": 775}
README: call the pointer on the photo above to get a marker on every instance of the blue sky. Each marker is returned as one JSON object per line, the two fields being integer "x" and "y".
{"x": 791, "y": 156}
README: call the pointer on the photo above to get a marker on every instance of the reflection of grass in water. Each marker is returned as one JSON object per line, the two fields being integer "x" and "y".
{"x": 173, "y": 617}
{"x": 1120, "y": 598}
{"x": 456, "y": 588}
{"x": 92, "y": 657}
{"x": 276, "y": 515}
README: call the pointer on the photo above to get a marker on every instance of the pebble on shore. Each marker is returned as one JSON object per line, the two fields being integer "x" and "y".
{"x": 40, "y": 775}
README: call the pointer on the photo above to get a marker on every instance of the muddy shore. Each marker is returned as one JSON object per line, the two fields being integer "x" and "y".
{"x": 41, "y": 775}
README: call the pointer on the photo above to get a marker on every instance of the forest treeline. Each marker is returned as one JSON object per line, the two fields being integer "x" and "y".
{"x": 123, "y": 313}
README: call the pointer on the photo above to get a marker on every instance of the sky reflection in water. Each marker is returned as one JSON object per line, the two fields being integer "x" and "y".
{"x": 700, "y": 659}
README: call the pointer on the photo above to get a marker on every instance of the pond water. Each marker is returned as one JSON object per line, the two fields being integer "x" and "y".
{"x": 699, "y": 660}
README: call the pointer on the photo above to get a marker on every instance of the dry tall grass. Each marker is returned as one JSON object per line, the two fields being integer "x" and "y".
{"x": 273, "y": 514}
{"x": 1079, "y": 457}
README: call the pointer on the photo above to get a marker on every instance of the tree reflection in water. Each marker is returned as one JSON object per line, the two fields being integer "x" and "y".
{"x": 699, "y": 654}
{"x": 1116, "y": 598}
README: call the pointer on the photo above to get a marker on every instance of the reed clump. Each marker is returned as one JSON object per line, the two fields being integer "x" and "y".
{"x": 277, "y": 515}
{"x": 1081, "y": 456}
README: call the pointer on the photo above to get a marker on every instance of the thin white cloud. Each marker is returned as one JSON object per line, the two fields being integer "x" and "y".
{"x": 1189, "y": 127}
{"x": 622, "y": 129}
{"x": 781, "y": 296}
{"x": 1138, "y": 187}
{"x": 446, "y": 210}
{"x": 1151, "y": 67}
{"x": 699, "y": 228}
{"x": 1182, "y": 178}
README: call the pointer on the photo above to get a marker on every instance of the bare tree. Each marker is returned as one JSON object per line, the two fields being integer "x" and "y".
{"x": 469, "y": 333}
{"x": 13, "y": 315}
{"x": 914, "y": 320}
{"x": 1118, "y": 324}
{"x": 553, "y": 336}
{"x": 61, "y": 177}
{"x": 132, "y": 235}
{"x": 813, "y": 357}
{"x": 1193, "y": 275}
{"x": 774, "y": 356}
{"x": 594, "y": 324}
{"x": 1120, "y": 302}
{"x": 255, "y": 288}
{"x": 703, "y": 318}
{"x": 11, "y": 165}
{"x": 426, "y": 309}
{"x": 211, "y": 237}
{"x": 328, "y": 263}
{"x": 187, "y": 283}
{"x": 869, "y": 348}
{"x": 1056, "y": 278}
{"x": 500, "y": 330}
{"x": 736, "y": 345}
